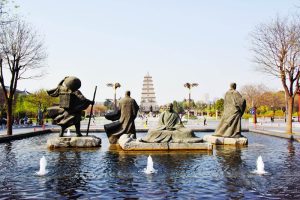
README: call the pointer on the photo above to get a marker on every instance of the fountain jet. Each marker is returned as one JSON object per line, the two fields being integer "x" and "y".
{"x": 43, "y": 164}
{"x": 68, "y": 132}
{"x": 260, "y": 166}
{"x": 149, "y": 169}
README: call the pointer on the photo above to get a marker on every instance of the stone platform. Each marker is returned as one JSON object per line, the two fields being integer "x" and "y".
{"x": 225, "y": 141}
{"x": 130, "y": 144}
{"x": 74, "y": 142}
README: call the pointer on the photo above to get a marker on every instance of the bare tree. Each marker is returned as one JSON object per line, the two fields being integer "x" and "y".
{"x": 6, "y": 11}
{"x": 21, "y": 56}
{"x": 276, "y": 48}
{"x": 274, "y": 100}
{"x": 253, "y": 95}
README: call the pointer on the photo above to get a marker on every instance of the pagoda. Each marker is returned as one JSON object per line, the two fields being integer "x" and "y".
{"x": 148, "y": 101}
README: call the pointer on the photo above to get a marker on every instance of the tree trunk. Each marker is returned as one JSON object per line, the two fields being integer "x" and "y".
{"x": 289, "y": 127}
{"x": 9, "y": 118}
{"x": 254, "y": 116}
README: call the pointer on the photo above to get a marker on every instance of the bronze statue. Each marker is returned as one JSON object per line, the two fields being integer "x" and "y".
{"x": 170, "y": 129}
{"x": 234, "y": 107}
{"x": 125, "y": 114}
{"x": 71, "y": 104}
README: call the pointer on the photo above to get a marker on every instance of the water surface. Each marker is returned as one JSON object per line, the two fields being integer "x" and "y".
{"x": 107, "y": 172}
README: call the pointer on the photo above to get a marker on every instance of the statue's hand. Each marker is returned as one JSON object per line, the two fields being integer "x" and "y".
{"x": 61, "y": 110}
{"x": 66, "y": 113}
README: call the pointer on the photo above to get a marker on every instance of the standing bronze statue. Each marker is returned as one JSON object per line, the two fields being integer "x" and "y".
{"x": 234, "y": 107}
{"x": 71, "y": 104}
{"x": 125, "y": 114}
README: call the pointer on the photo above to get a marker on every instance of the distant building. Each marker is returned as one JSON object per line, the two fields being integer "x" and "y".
{"x": 18, "y": 92}
{"x": 148, "y": 100}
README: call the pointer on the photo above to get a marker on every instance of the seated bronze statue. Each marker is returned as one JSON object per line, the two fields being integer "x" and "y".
{"x": 170, "y": 129}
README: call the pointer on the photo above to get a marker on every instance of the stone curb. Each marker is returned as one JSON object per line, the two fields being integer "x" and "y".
{"x": 280, "y": 135}
{"x": 7, "y": 138}
{"x": 74, "y": 142}
{"x": 128, "y": 144}
{"x": 215, "y": 140}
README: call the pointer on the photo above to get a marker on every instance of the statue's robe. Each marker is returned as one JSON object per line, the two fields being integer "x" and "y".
{"x": 234, "y": 107}
{"x": 170, "y": 129}
{"x": 69, "y": 115}
{"x": 128, "y": 109}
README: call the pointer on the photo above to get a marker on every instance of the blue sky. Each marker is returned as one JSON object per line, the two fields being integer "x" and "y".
{"x": 99, "y": 41}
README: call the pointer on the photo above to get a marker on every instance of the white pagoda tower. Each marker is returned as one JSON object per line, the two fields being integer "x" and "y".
{"x": 148, "y": 102}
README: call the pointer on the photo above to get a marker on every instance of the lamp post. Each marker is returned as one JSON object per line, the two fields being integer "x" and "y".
{"x": 189, "y": 86}
{"x": 114, "y": 86}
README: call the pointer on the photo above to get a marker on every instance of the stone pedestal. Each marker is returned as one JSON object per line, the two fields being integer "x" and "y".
{"x": 74, "y": 142}
{"x": 130, "y": 144}
{"x": 225, "y": 141}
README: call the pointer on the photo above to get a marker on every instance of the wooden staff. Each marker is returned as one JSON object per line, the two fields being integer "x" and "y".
{"x": 88, "y": 128}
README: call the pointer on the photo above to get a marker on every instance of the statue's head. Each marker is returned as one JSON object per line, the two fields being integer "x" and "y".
{"x": 73, "y": 83}
{"x": 233, "y": 86}
{"x": 127, "y": 93}
{"x": 170, "y": 107}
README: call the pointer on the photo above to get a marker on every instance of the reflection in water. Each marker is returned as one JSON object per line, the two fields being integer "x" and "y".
{"x": 231, "y": 163}
{"x": 9, "y": 154}
{"x": 173, "y": 170}
{"x": 110, "y": 173}
{"x": 68, "y": 174}
{"x": 6, "y": 180}
{"x": 123, "y": 168}
{"x": 291, "y": 148}
{"x": 287, "y": 179}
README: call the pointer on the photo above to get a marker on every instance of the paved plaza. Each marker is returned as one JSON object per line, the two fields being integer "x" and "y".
{"x": 276, "y": 128}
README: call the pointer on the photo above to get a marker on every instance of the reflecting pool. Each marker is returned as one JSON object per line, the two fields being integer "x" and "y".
{"x": 107, "y": 172}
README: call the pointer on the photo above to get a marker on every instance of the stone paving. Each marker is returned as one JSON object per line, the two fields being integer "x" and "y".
{"x": 276, "y": 128}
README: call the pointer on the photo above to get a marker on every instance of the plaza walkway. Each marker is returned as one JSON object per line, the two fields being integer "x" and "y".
{"x": 276, "y": 128}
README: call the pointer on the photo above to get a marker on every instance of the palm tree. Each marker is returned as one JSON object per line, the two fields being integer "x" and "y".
{"x": 114, "y": 86}
{"x": 189, "y": 86}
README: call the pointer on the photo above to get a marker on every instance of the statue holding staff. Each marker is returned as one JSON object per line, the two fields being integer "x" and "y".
{"x": 71, "y": 104}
